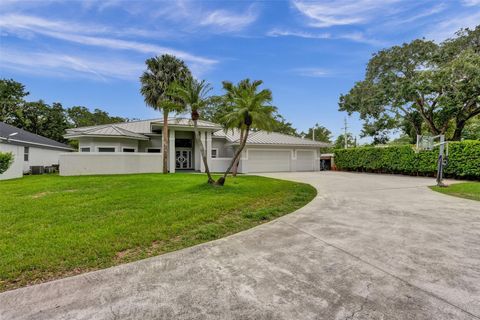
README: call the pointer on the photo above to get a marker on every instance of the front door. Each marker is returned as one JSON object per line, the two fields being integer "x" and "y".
{"x": 183, "y": 158}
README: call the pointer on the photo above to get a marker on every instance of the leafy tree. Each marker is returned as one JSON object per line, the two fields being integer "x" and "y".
{"x": 318, "y": 133}
{"x": 155, "y": 81}
{"x": 193, "y": 95}
{"x": 57, "y": 122}
{"x": 340, "y": 141}
{"x": 420, "y": 83}
{"x": 12, "y": 94}
{"x": 6, "y": 160}
{"x": 472, "y": 129}
{"x": 80, "y": 116}
{"x": 283, "y": 126}
{"x": 250, "y": 109}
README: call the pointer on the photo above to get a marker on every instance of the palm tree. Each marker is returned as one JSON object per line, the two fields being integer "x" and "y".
{"x": 160, "y": 74}
{"x": 251, "y": 109}
{"x": 194, "y": 96}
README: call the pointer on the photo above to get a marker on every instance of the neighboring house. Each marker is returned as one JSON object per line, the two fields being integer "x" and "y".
{"x": 135, "y": 147}
{"x": 29, "y": 150}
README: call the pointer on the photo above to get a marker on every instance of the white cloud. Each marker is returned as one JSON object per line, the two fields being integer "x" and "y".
{"x": 60, "y": 64}
{"x": 70, "y": 32}
{"x": 352, "y": 36}
{"x": 471, "y": 3}
{"x": 311, "y": 72}
{"x": 341, "y": 12}
{"x": 193, "y": 16}
{"x": 229, "y": 21}
{"x": 446, "y": 29}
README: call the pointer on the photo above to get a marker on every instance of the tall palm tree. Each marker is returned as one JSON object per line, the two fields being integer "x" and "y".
{"x": 194, "y": 96}
{"x": 160, "y": 74}
{"x": 251, "y": 109}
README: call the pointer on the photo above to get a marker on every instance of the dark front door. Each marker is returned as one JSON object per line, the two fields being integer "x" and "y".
{"x": 183, "y": 158}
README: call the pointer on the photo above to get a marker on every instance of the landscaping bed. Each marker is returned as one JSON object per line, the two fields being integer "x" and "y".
{"x": 52, "y": 226}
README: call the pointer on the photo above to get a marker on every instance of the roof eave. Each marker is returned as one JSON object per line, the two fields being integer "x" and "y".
{"x": 76, "y": 136}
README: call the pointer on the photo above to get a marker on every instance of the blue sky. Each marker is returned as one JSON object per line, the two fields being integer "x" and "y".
{"x": 91, "y": 53}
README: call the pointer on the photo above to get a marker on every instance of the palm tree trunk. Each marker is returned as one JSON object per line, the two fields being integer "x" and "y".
{"x": 235, "y": 166}
{"x": 202, "y": 152}
{"x": 165, "y": 141}
{"x": 221, "y": 181}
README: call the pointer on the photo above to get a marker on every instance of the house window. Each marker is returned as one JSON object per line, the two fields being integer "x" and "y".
{"x": 154, "y": 150}
{"x": 214, "y": 153}
{"x": 106, "y": 149}
{"x": 26, "y": 151}
{"x": 128, "y": 150}
{"x": 85, "y": 149}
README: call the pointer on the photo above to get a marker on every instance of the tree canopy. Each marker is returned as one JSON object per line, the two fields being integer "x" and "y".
{"x": 419, "y": 86}
{"x": 38, "y": 117}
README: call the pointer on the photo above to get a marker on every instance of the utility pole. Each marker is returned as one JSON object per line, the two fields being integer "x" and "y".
{"x": 345, "y": 132}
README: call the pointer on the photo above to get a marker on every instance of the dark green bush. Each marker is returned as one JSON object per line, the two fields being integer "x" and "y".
{"x": 6, "y": 160}
{"x": 463, "y": 160}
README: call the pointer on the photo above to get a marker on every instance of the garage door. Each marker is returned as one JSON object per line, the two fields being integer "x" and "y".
{"x": 305, "y": 160}
{"x": 268, "y": 161}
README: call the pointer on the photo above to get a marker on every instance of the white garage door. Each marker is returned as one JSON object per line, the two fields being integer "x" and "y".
{"x": 305, "y": 160}
{"x": 268, "y": 160}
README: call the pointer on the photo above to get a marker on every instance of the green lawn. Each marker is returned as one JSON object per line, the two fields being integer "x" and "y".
{"x": 52, "y": 226}
{"x": 469, "y": 190}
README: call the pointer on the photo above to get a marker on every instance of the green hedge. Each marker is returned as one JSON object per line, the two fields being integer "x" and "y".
{"x": 463, "y": 160}
{"x": 6, "y": 160}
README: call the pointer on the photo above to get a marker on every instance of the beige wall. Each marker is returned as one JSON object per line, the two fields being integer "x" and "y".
{"x": 78, "y": 163}
{"x": 16, "y": 169}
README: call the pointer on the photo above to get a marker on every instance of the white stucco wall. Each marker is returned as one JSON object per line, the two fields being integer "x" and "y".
{"x": 16, "y": 169}
{"x": 223, "y": 150}
{"x": 219, "y": 164}
{"x": 41, "y": 157}
{"x": 84, "y": 163}
{"x": 117, "y": 143}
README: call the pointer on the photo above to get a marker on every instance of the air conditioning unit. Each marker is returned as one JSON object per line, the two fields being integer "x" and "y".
{"x": 37, "y": 169}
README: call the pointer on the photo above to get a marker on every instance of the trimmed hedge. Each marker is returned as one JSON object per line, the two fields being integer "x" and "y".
{"x": 6, "y": 160}
{"x": 463, "y": 160}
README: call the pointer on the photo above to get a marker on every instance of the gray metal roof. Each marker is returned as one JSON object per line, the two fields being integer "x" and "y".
{"x": 137, "y": 130}
{"x": 28, "y": 138}
{"x": 144, "y": 126}
{"x": 268, "y": 138}
{"x": 110, "y": 130}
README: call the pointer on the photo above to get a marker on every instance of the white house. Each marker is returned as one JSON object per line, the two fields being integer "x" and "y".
{"x": 136, "y": 147}
{"x": 28, "y": 150}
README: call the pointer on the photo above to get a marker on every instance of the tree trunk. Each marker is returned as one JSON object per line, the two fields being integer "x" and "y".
{"x": 165, "y": 141}
{"x": 237, "y": 154}
{"x": 459, "y": 126}
{"x": 235, "y": 166}
{"x": 202, "y": 152}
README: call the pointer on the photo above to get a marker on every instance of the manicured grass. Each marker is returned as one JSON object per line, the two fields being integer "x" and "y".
{"x": 469, "y": 190}
{"x": 52, "y": 226}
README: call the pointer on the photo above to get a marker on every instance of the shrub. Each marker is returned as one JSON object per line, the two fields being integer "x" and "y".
{"x": 463, "y": 160}
{"x": 6, "y": 160}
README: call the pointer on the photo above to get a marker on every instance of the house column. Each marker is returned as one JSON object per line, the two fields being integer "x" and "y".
{"x": 171, "y": 150}
{"x": 209, "y": 148}
{"x": 203, "y": 140}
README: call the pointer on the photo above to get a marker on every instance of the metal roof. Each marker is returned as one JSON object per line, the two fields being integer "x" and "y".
{"x": 138, "y": 130}
{"x": 144, "y": 126}
{"x": 110, "y": 130}
{"x": 25, "y": 137}
{"x": 268, "y": 138}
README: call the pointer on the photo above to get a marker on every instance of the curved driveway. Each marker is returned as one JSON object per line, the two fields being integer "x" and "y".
{"x": 367, "y": 247}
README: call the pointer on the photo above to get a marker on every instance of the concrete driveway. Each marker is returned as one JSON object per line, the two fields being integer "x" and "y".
{"x": 368, "y": 247}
